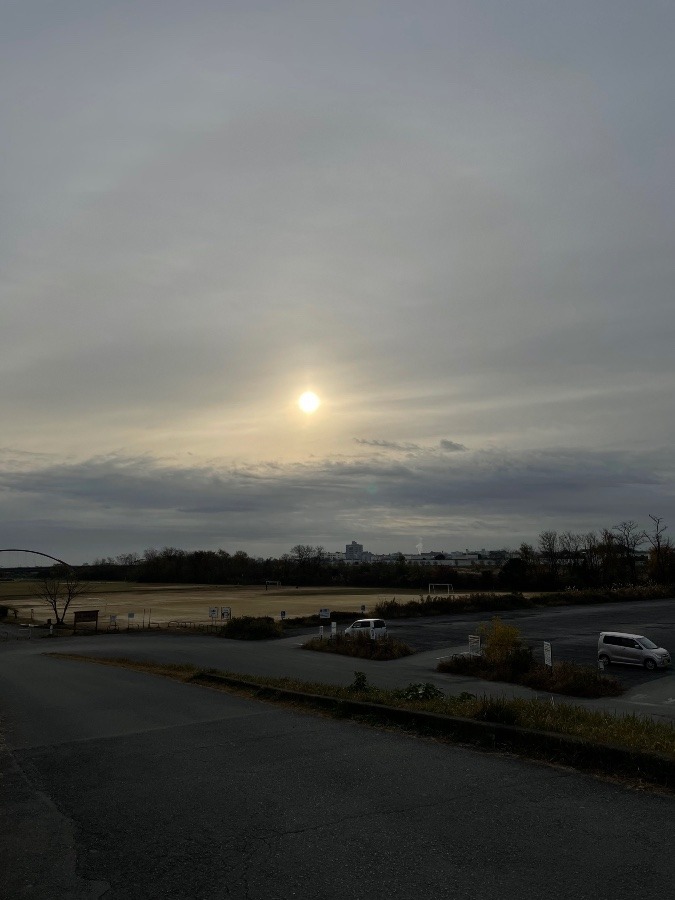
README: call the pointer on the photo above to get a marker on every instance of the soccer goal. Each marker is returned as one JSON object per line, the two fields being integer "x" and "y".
{"x": 438, "y": 588}
{"x": 269, "y": 584}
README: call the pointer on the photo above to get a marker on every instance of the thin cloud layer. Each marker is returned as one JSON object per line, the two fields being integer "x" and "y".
{"x": 452, "y": 221}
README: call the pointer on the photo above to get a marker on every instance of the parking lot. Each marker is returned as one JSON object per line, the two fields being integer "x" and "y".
{"x": 572, "y": 631}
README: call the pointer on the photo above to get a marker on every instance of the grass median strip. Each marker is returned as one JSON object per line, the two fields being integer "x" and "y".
{"x": 627, "y": 746}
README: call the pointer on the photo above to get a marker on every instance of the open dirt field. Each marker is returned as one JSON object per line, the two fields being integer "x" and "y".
{"x": 163, "y": 603}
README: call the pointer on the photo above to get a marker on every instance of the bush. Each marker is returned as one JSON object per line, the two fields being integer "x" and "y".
{"x": 518, "y": 667}
{"x": 455, "y": 603}
{"x": 496, "y": 709}
{"x": 361, "y": 646}
{"x": 617, "y": 593}
{"x": 425, "y": 691}
{"x": 336, "y": 615}
{"x": 513, "y": 669}
{"x": 360, "y": 684}
{"x": 249, "y": 628}
{"x": 499, "y": 641}
{"x": 573, "y": 680}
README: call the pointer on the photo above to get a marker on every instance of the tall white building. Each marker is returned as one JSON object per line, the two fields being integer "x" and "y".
{"x": 354, "y": 552}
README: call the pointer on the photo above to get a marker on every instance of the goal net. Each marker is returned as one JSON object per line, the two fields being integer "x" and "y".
{"x": 438, "y": 588}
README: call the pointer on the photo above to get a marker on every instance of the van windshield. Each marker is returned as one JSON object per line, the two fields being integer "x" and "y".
{"x": 647, "y": 644}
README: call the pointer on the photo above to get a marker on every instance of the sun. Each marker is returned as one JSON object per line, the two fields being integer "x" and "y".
{"x": 309, "y": 402}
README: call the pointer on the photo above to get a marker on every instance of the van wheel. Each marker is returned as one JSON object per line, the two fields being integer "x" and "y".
{"x": 650, "y": 665}
{"x": 604, "y": 659}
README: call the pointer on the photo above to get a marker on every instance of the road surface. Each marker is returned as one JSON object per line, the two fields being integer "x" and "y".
{"x": 125, "y": 786}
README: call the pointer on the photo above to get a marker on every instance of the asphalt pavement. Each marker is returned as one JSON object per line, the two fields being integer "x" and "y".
{"x": 126, "y": 786}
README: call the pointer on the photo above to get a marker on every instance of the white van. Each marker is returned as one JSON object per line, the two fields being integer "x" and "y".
{"x": 631, "y": 649}
{"x": 376, "y": 628}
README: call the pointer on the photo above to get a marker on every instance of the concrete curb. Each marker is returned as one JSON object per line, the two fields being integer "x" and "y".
{"x": 654, "y": 768}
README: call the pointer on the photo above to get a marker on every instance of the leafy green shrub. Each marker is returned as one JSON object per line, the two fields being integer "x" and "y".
{"x": 360, "y": 646}
{"x": 249, "y": 628}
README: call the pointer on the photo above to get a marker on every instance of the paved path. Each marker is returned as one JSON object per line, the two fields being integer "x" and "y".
{"x": 122, "y": 786}
{"x": 651, "y": 695}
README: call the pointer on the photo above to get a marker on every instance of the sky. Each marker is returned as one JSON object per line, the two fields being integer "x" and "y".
{"x": 452, "y": 220}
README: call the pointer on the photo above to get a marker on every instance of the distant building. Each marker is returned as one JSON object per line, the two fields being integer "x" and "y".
{"x": 354, "y": 552}
{"x": 458, "y": 559}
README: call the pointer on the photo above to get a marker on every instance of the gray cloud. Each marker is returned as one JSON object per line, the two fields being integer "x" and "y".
{"x": 387, "y": 445}
{"x": 452, "y": 447}
{"x": 115, "y": 504}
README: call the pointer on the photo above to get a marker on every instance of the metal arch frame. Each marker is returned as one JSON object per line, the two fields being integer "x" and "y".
{"x": 38, "y": 553}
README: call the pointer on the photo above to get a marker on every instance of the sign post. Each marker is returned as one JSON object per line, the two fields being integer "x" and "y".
{"x": 85, "y": 615}
{"x": 474, "y": 645}
{"x": 548, "y": 655}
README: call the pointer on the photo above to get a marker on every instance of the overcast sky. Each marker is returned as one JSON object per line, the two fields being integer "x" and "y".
{"x": 452, "y": 220}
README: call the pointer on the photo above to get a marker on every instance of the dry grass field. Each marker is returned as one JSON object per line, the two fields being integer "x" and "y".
{"x": 163, "y": 603}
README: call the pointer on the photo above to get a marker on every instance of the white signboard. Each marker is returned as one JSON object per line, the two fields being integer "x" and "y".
{"x": 474, "y": 644}
{"x": 213, "y": 612}
{"x": 324, "y": 614}
{"x": 548, "y": 656}
{"x": 333, "y": 628}
{"x": 225, "y": 612}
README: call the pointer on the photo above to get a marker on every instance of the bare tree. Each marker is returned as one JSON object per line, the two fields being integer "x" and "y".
{"x": 570, "y": 550}
{"x": 629, "y": 538}
{"x": 549, "y": 549}
{"x": 59, "y": 590}
{"x": 303, "y": 553}
{"x": 592, "y": 557}
{"x": 662, "y": 550}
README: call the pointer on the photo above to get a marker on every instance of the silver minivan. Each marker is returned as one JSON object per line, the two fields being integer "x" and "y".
{"x": 631, "y": 649}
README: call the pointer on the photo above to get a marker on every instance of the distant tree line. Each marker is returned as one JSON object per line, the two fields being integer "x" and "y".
{"x": 622, "y": 554}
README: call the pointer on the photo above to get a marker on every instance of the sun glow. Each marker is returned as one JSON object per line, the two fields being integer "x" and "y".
{"x": 309, "y": 402}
